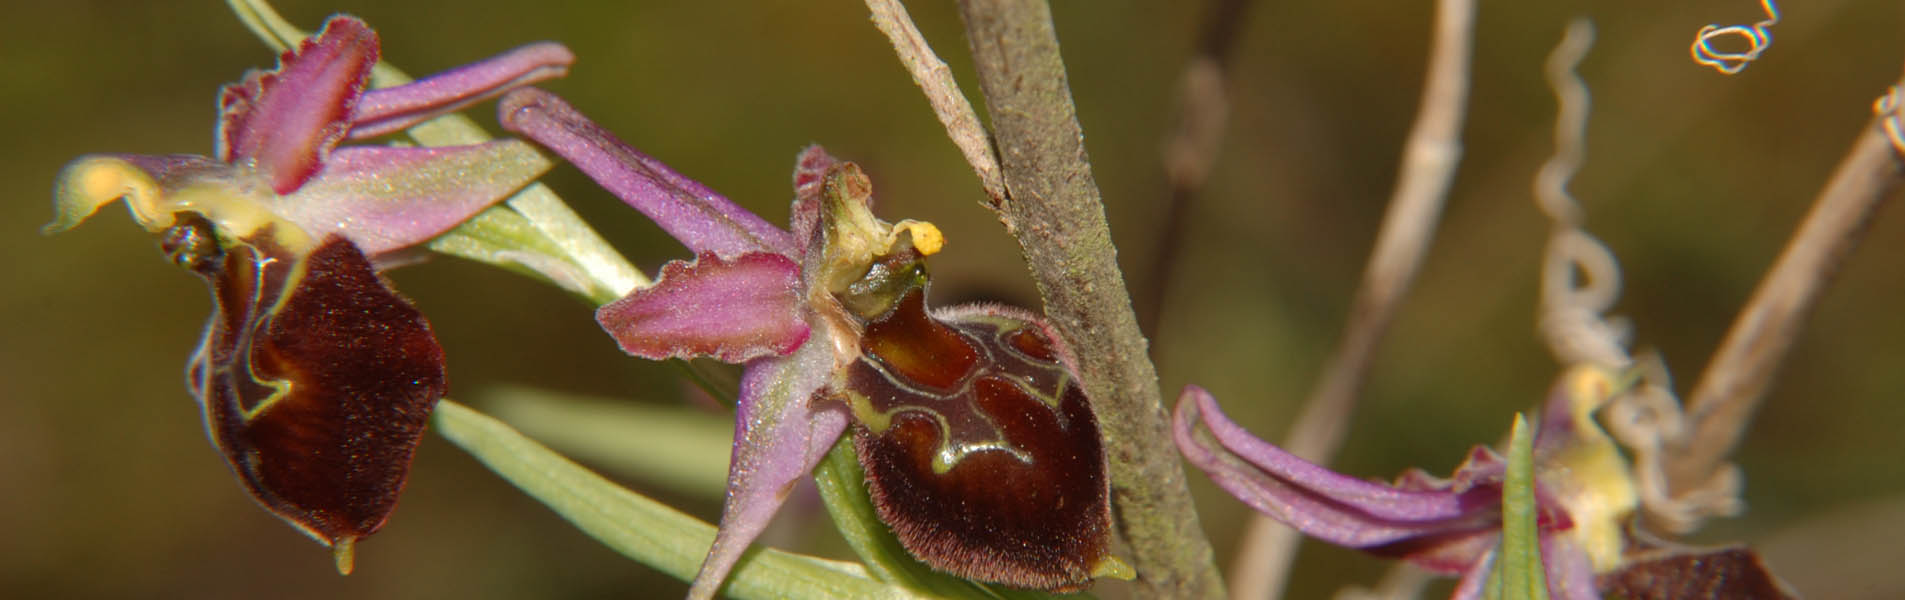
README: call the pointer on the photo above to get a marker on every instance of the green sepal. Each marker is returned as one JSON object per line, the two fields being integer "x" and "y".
{"x": 1518, "y": 572}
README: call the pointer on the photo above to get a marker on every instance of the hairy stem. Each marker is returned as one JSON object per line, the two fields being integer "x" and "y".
{"x": 1053, "y": 207}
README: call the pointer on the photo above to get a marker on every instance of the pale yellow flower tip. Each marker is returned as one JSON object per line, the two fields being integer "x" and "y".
{"x": 1112, "y": 568}
{"x": 1592, "y": 386}
{"x": 345, "y": 551}
{"x": 90, "y": 182}
{"x": 926, "y": 238}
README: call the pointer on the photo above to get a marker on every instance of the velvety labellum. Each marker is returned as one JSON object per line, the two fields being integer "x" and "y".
{"x": 316, "y": 379}
{"x": 979, "y": 445}
{"x": 1734, "y": 573}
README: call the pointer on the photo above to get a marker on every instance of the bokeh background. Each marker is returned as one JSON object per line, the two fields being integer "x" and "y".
{"x": 109, "y": 489}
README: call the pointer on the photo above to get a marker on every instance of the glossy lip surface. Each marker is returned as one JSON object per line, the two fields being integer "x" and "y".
{"x": 816, "y": 339}
{"x": 980, "y": 448}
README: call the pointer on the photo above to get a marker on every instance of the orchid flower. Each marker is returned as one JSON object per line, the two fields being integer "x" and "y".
{"x": 979, "y": 444}
{"x": 1584, "y": 492}
{"x": 314, "y": 377}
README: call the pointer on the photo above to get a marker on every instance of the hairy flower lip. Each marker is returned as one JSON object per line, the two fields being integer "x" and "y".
{"x": 781, "y": 433}
{"x": 314, "y": 378}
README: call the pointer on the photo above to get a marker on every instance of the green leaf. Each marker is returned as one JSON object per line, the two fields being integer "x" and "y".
{"x": 1518, "y": 573}
{"x": 504, "y": 238}
{"x": 843, "y": 490}
{"x": 678, "y": 448}
{"x": 640, "y": 528}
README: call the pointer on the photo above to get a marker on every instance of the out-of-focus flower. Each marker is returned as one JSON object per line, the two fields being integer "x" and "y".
{"x": 315, "y": 378}
{"x": 1584, "y": 492}
{"x": 978, "y": 442}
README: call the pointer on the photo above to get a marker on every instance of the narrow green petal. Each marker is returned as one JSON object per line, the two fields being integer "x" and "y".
{"x": 643, "y": 529}
{"x": 1518, "y": 573}
{"x": 843, "y": 490}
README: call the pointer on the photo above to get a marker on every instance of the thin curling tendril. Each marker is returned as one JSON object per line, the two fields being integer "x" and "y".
{"x": 1580, "y": 282}
{"x": 1757, "y": 40}
{"x": 1887, "y": 108}
{"x": 1573, "y": 315}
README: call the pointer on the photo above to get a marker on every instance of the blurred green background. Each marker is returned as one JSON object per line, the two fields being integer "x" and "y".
{"x": 109, "y": 489}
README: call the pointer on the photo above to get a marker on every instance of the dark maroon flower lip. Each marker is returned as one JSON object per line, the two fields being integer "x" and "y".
{"x": 980, "y": 447}
{"x": 316, "y": 379}
{"x": 832, "y": 309}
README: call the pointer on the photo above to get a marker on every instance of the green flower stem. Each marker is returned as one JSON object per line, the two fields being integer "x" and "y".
{"x": 640, "y": 528}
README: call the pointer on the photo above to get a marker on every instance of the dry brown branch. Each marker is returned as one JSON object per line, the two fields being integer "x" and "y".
{"x": 942, "y": 92}
{"x": 1053, "y": 207}
{"x": 1737, "y": 377}
{"x": 1430, "y": 156}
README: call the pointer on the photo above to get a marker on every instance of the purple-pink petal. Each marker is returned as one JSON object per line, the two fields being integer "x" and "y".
{"x": 1449, "y": 553}
{"x": 779, "y": 437}
{"x": 395, "y": 108}
{"x": 1446, "y": 525}
{"x": 1474, "y": 582}
{"x": 1289, "y": 474}
{"x": 701, "y": 219}
{"x": 1570, "y": 575}
{"x": 1482, "y": 466}
{"x": 1336, "y": 508}
{"x": 386, "y": 199}
{"x": 1294, "y": 492}
{"x": 734, "y": 310}
{"x": 284, "y": 122}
